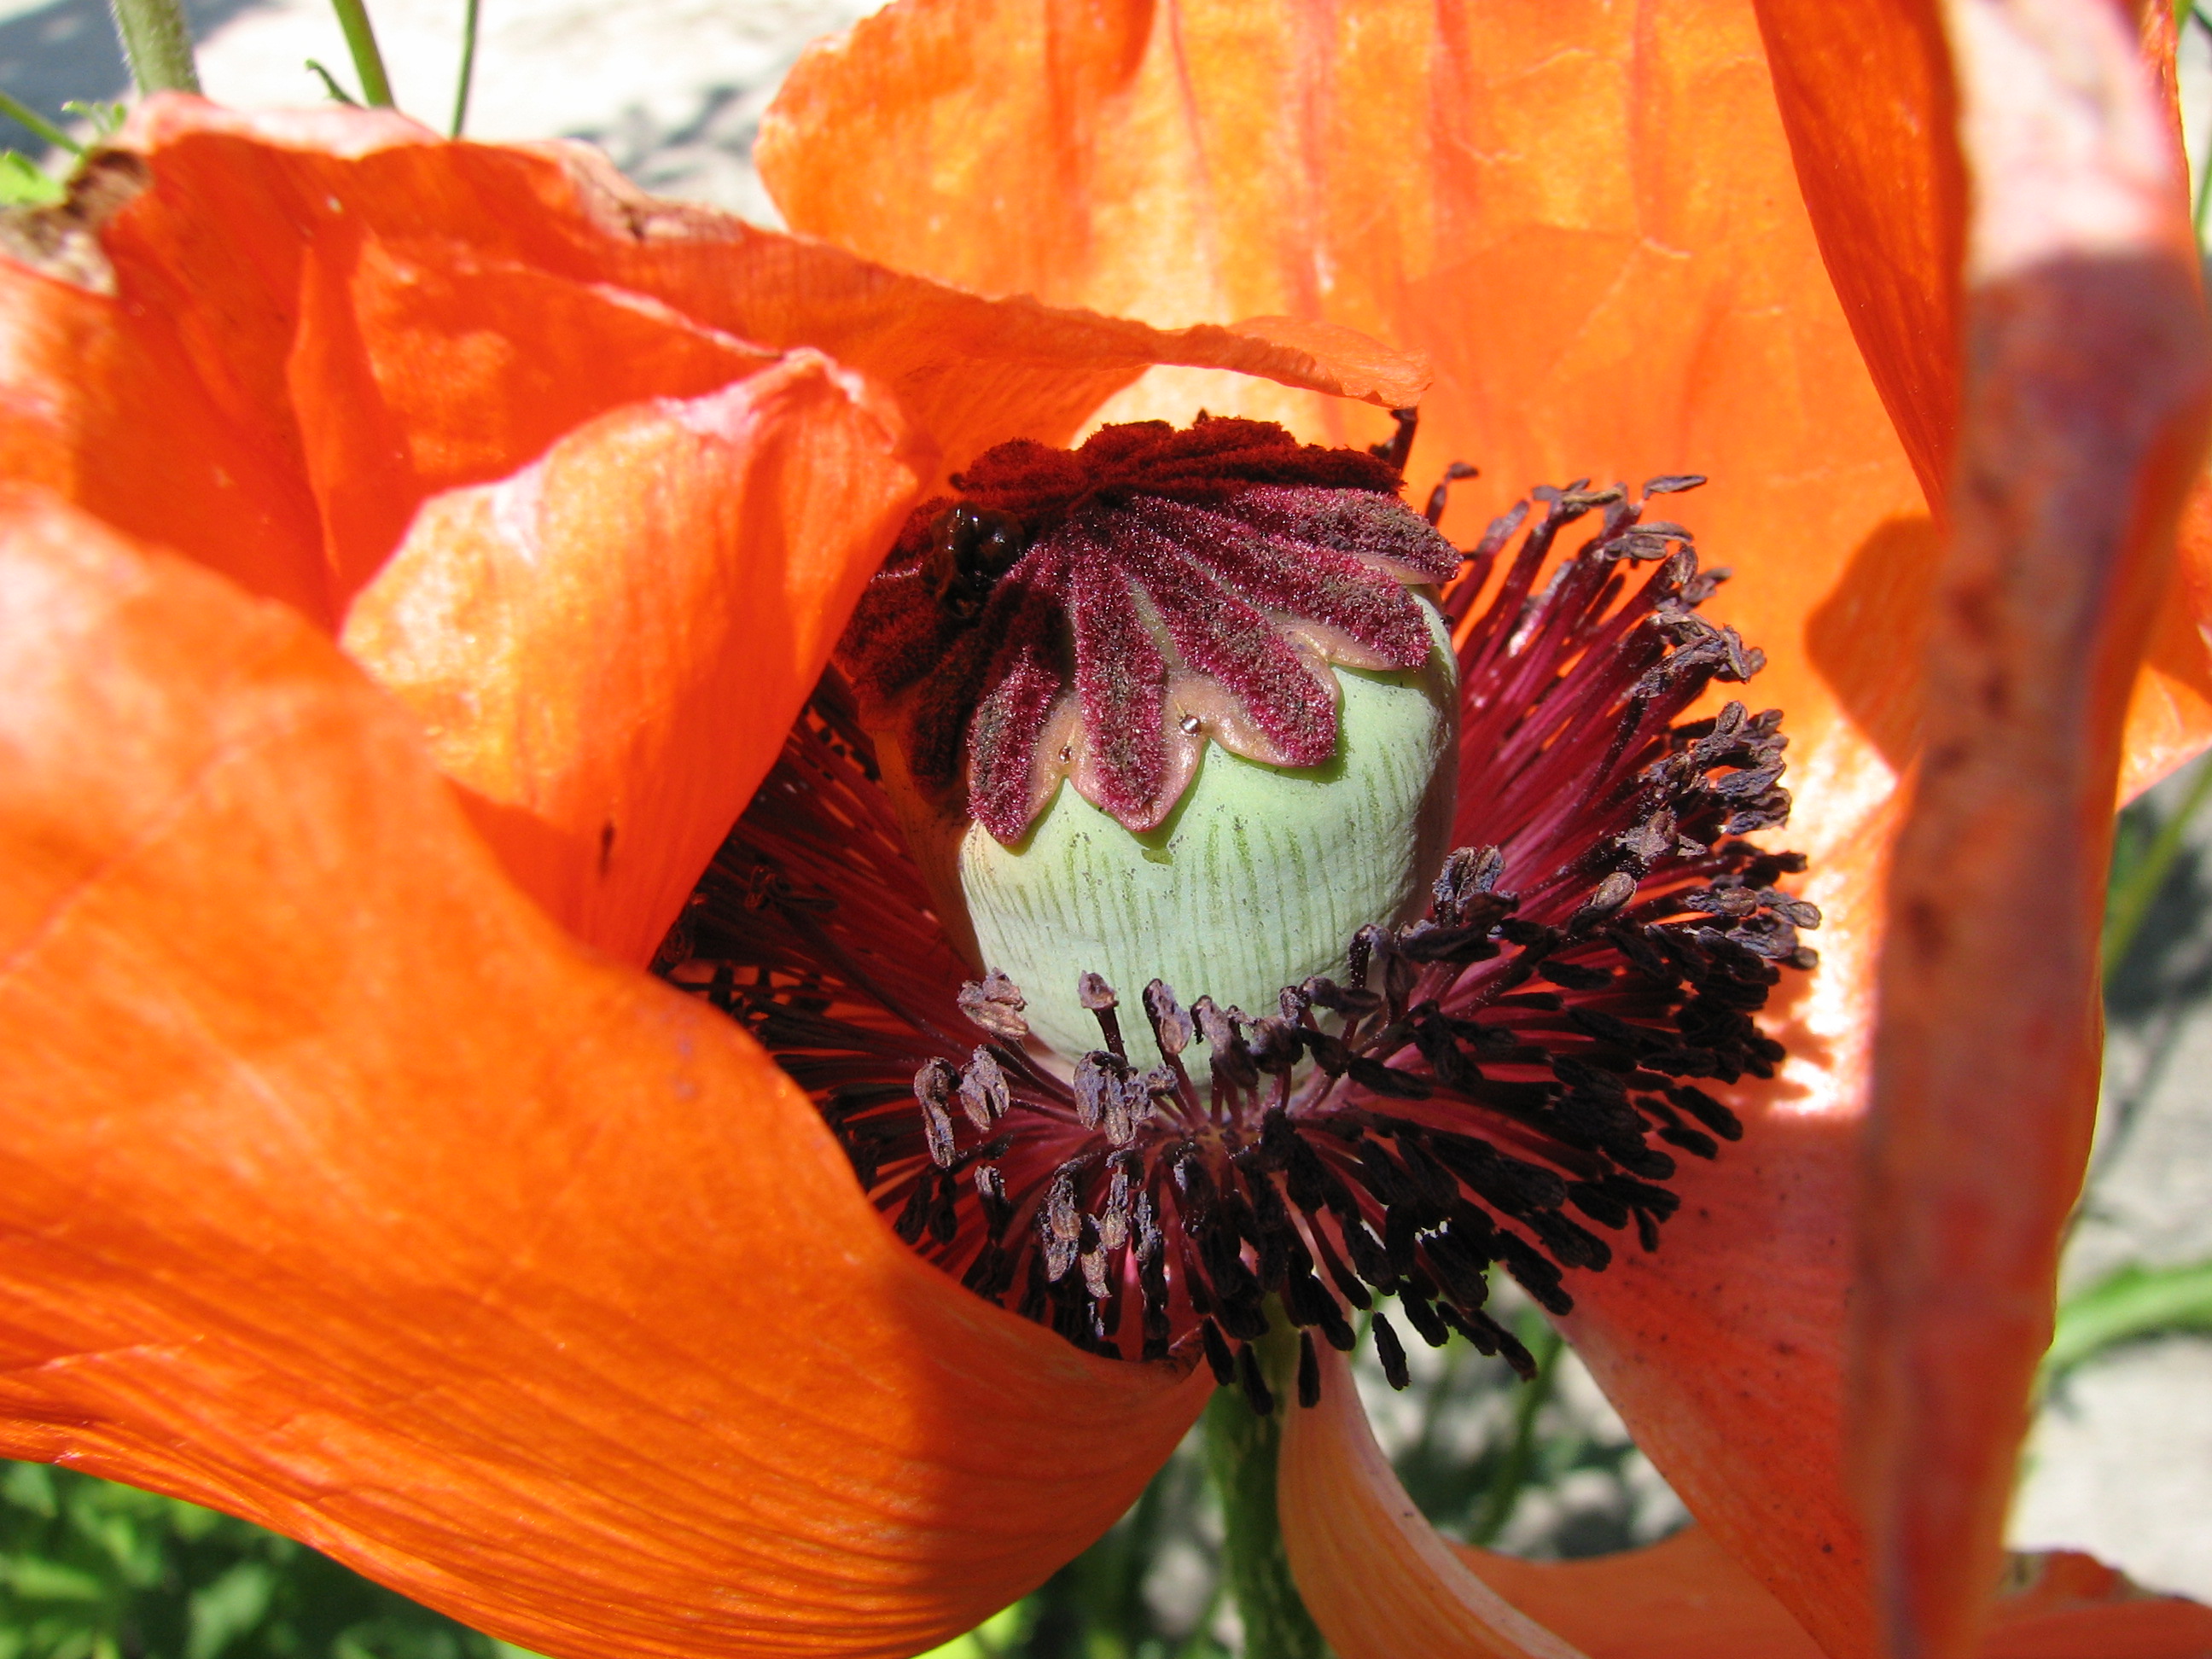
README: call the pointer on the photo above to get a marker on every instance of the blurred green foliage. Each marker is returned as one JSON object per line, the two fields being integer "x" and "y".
{"x": 90, "y": 1570}
{"x": 2127, "y": 1305}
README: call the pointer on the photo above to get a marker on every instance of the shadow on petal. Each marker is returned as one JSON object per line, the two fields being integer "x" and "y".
{"x": 2086, "y": 408}
{"x": 1380, "y": 1582}
{"x": 342, "y": 1191}
{"x": 1685, "y": 1598}
{"x": 601, "y": 646}
{"x": 1374, "y": 1574}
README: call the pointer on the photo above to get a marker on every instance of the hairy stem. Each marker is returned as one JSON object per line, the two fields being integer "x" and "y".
{"x": 158, "y": 43}
{"x": 368, "y": 61}
{"x": 468, "y": 68}
{"x": 1241, "y": 1451}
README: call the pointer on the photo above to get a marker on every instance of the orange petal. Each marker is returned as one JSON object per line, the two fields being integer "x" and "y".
{"x": 2062, "y": 1605}
{"x": 969, "y": 372}
{"x": 1374, "y": 1574}
{"x": 1724, "y": 1350}
{"x": 341, "y": 1190}
{"x": 418, "y": 367}
{"x": 1685, "y": 1599}
{"x": 1866, "y": 95}
{"x": 1680, "y": 1599}
{"x": 1381, "y": 1582}
{"x": 2084, "y": 425}
{"x": 99, "y": 402}
{"x": 1587, "y": 217}
{"x": 372, "y": 319}
{"x": 606, "y": 648}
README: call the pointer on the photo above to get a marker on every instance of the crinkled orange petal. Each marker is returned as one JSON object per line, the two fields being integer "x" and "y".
{"x": 1381, "y": 1583}
{"x": 98, "y": 404}
{"x": 1589, "y": 218}
{"x": 970, "y": 373}
{"x": 2083, "y": 427}
{"x": 1866, "y": 95}
{"x": 605, "y": 648}
{"x": 418, "y": 367}
{"x": 340, "y": 1189}
{"x": 324, "y": 321}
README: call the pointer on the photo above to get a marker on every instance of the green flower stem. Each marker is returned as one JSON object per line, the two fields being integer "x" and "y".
{"x": 368, "y": 61}
{"x": 23, "y": 115}
{"x": 158, "y": 43}
{"x": 2133, "y": 1302}
{"x": 1241, "y": 1451}
{"x": 2128, "y": 906}
{"x": 2189, "y": 12}
{"x": 468, "y": 68}
{"x": 1505, "y": 1494}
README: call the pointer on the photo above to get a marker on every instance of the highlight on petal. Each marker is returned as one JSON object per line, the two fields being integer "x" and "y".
{"x": 1374, "y": 1575}
{"x": 341, "y": 1190}
{"x": 1866, "y": 95}
{"x": 2086, "y": 403}
{"x": 418, "y": 366}
{"x": 605, "y": 648}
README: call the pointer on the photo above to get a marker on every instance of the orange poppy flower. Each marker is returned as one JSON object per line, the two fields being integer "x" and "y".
{"x": 348, "y": 1192}
{"x": 1727, "y": 239}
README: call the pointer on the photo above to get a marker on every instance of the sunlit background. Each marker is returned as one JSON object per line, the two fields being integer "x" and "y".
{"x": 2121, "y": 1460}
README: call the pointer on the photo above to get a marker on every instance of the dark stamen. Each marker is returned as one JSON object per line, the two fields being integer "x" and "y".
{"x": 1391, "y": 1352}
{"x": 1490, "y": 1087}
{"x": 1393, "y": 452}
{"x": 1255, "y": 1385}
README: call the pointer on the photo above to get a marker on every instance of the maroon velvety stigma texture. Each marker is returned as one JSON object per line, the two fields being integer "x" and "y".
{"x": 1101, "y": 612}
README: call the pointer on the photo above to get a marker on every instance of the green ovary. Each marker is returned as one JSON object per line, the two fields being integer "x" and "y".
{"x": 1259, "y": 877}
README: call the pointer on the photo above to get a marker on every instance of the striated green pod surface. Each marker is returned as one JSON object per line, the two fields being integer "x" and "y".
{"x": 1258, "y": 879}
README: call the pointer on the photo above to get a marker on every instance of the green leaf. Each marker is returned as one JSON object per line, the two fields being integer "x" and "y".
{"x": 2142, "y": 864}
{"x": 23, "y": 115}
{"x": 21, "y": 184}
{"x": 336, "y": 93}
{"x": 229, "y": 1608}
{"x": 2127, "y": 1306}
{"x": 105, "y": 115}
{"x": 37, "y": 1579}
{"x": 31, "y": 1486}
{"x": 367, "y": 60}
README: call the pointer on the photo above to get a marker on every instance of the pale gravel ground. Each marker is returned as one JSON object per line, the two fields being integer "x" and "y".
{"x": 2122, "y": 1459}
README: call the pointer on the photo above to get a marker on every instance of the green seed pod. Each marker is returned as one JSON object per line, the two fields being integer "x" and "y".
{"x": 1258, "y": 879}
{"x": 1172, "y": 706}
